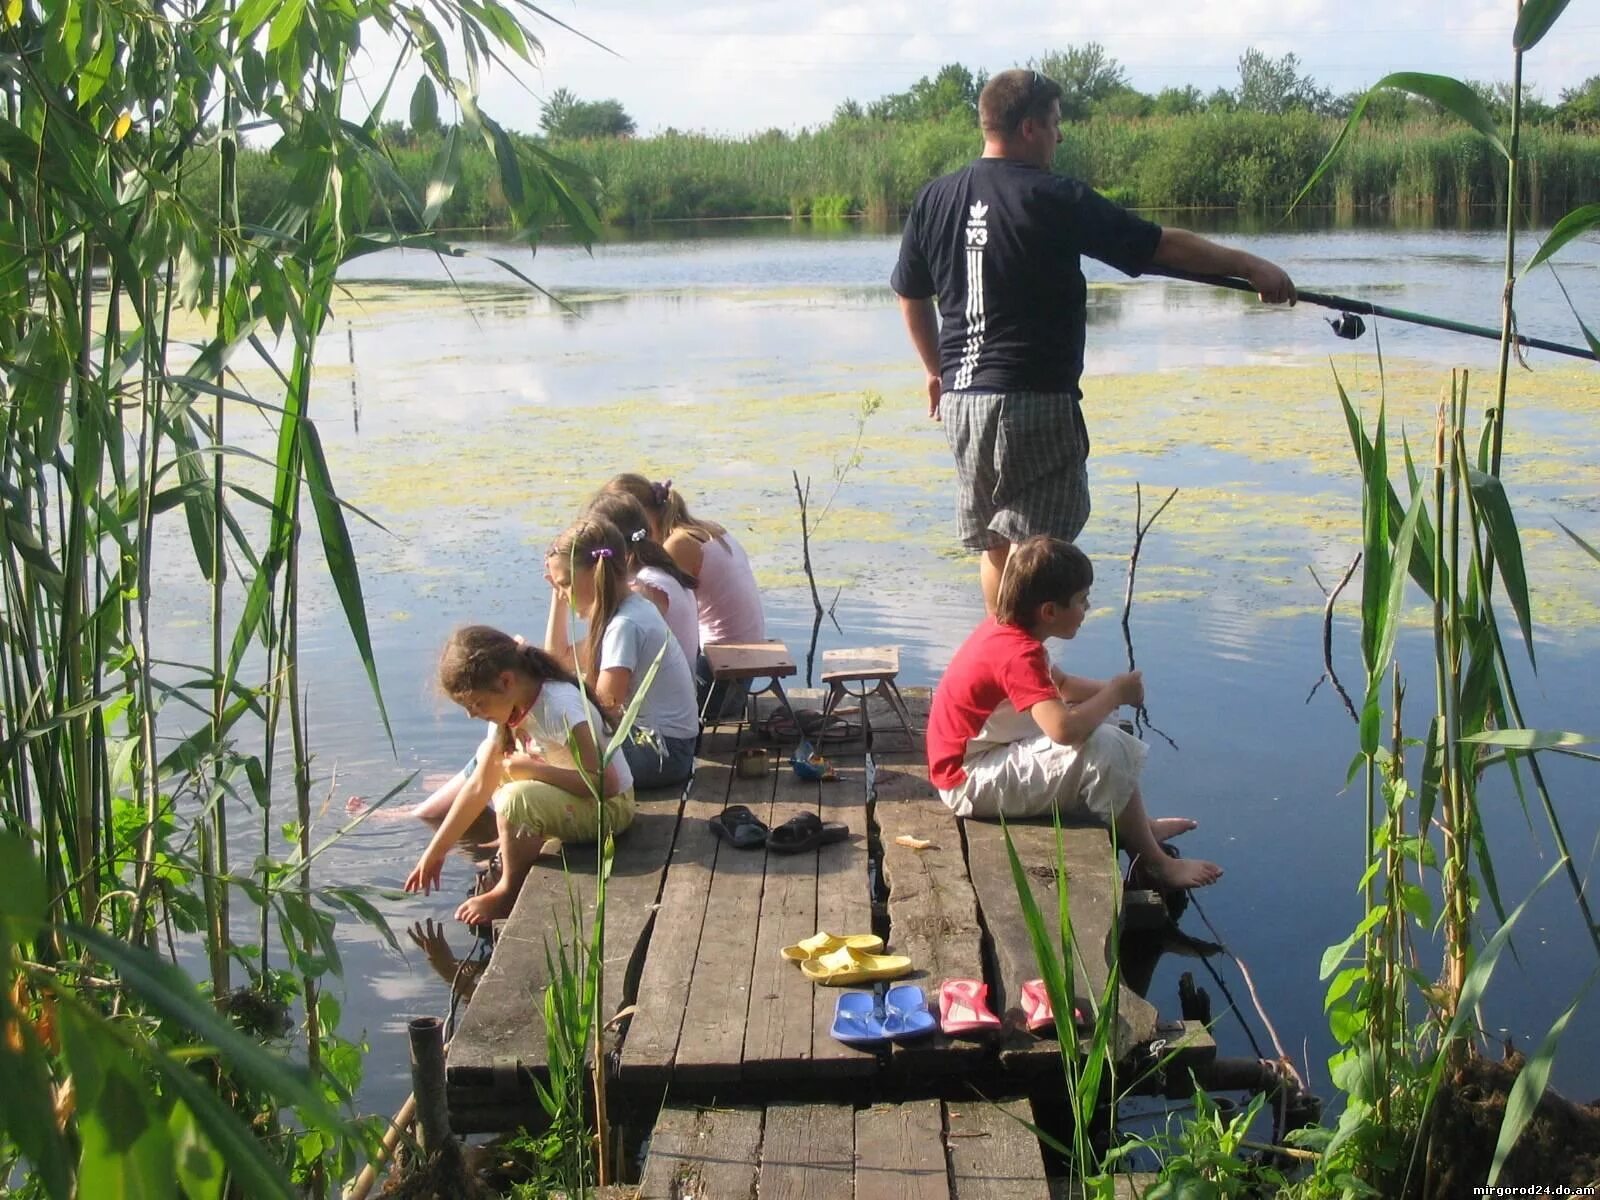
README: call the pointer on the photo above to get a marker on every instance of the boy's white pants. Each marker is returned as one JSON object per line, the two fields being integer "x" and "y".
{"x": 1028, "y": 777}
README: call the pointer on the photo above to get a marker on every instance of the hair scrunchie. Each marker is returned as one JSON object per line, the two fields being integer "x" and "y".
{"x": 600, "y": 552}
{"x": 636, "y": 536}
{"x": 660, "y": 491}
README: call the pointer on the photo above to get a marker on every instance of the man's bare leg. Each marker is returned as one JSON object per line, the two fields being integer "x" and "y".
{"x": 517, "y": 854}
{"x": 1138, "y": 835}
{"x": 990, "y": 567}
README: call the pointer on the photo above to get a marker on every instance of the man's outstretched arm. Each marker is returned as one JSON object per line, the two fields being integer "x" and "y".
{"x": 922, "y": 323}
{"x": 1190, "y": 252}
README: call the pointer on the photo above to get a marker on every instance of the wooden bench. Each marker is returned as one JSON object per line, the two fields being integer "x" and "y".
{"x": 745, "y": 662}
{"x": 877, "y": 665}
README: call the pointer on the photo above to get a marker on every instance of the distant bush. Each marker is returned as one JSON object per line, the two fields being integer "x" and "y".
{"x": 860, "y": 166}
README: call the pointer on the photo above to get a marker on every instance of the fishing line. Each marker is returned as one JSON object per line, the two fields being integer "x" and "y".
{"x": 1349, "y": 325}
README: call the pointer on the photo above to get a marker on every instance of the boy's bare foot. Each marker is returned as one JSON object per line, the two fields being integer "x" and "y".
{"x": 1163, "y": 828}
{"x": 489, "y": 906}
{"x": 1179, "y": 874}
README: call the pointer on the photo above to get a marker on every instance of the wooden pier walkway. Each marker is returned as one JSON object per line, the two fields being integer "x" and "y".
{"x": 715, "y": 1015}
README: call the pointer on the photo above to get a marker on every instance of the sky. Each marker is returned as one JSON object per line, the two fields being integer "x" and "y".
{"x": 728, "y": 67}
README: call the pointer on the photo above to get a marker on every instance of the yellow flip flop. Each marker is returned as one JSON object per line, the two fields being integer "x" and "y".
{"x": 819, "y": 944}
{"x": 847, "y": 965}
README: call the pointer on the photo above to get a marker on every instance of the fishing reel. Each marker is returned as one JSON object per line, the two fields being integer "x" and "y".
{"x": 1347, "y": 325}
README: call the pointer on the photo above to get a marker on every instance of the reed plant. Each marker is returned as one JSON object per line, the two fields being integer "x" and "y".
{"x": 1452, "y": 534}
{"x": 127, "y": 778}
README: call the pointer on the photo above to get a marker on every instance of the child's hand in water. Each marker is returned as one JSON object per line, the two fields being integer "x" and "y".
{"x": 425, "y": 876}
{"x": 1129, "y": 687}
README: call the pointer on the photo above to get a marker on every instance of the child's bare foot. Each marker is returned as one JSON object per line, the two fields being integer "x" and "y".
{"x": 358, "y": 805}
{"x": 1179, "y": 874}
{"x": 1163, "y": 828}
{"x": 488, "y": 906}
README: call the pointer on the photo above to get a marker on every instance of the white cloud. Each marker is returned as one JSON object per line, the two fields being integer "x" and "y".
{"x": 734, "y": 68}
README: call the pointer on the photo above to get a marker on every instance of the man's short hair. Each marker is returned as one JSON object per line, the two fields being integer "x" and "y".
{"x": 1041, "y": 569}
{"x": 1013, "y": 96}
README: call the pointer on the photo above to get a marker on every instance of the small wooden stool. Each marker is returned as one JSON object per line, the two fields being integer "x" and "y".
{"x": 736, "y": 662}
{"x": 876, "y": 665}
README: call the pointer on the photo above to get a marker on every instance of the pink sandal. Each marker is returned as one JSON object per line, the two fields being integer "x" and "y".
{"x": 1036, "y": 1007}
{"x": 964, "y": 1008}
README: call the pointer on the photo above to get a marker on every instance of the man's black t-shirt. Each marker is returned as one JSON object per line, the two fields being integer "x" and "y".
{"x": 999, "y": 242}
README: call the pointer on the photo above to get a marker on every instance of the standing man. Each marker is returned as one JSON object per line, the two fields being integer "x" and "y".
{"x": 998, "y": 243}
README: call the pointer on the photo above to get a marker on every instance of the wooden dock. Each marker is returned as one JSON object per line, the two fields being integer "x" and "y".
{"x": 716, "y": 1016}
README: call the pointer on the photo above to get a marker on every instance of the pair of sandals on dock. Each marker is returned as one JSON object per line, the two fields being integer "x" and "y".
{"x": 743, "y": 830}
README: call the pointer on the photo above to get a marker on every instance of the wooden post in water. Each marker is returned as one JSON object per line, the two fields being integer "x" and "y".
{"x": 427, "y": 1082}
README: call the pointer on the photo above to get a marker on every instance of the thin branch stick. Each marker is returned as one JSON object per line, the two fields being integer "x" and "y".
{"x": 1328, "y": 672}
{"x": 1141, "y": 714}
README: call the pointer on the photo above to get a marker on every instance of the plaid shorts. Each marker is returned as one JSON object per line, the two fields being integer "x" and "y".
{"x": 1020, "y": 459}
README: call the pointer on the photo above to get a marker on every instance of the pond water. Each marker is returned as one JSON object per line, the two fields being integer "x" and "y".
{"x": 477, "y": 415}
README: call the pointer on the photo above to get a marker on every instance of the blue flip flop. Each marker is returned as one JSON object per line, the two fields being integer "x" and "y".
{"x": 906, "y": 1014}
{"x": 859, "y": 1019}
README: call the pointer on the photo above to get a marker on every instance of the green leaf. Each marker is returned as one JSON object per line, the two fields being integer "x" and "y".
{"x": 1394, "y": 604}
{"x": 1489, "y": 498}
{"x": 1533, "y": 22}
{"x": 446, "y": 174}
{"x": 1576, "y": 223}
{"x": 1529, "y": 1087}
{"x": 425, "y": 105}
{"x": 1528, "y": 739}
{"x": 126, "y": 1152}
{"x": 1450, "y": 94}
{"x": 250, "y": 16}
{"x": 23, "y": 898}
{"x": 1587, "y": 548}
{"x": 341, "y": 558}
{"x": 284, "y": 23}
{"x": 172, "y": 994}
{"x": 256, "y": 1174}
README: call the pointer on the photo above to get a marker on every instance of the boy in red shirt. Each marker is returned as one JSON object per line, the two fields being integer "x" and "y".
{"x": 1010, "y": 735}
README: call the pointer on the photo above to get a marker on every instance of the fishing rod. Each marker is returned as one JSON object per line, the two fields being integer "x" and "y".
{"x": 1350, "y": 326}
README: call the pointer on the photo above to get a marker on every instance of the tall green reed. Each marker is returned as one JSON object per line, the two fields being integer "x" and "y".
{"x": 1456, "y": 538}
{"x": 119, "y": 768}
{"x": 575, "y": 1153}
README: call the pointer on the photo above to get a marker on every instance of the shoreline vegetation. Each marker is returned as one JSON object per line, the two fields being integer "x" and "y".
{"x": 1247, "y": 161}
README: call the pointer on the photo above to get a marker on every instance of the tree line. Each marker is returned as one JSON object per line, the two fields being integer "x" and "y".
{"x": 1095, "y": 84}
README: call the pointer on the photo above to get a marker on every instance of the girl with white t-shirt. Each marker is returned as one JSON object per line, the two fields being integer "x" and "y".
{"x": 651, "y": 570}
{"x": 588, "y": 571}
{"x": 727, "y": 597}
{"x": 526, "y": 767}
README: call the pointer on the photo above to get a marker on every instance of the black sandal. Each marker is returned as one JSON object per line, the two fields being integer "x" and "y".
{"x": 803, "y": 832}
{"x": 739, "y": 827}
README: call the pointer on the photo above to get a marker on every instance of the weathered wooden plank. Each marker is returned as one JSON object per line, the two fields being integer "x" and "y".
{"x": 1095, "y": 887}
{"x": 900, "y": 1152}
{"x": 651, "y": 1039}
{"x": 992, "y": 1157}
{"x": 808, "y": 1152}
{"x": 843, "y": 906}
{"x": 933, "y": 910}
{"x": 777, "y": 1036}
{"x": 710, "y": 1047}
{"x": 698, "y": 1154}
{"x": 502, "y": 1035}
